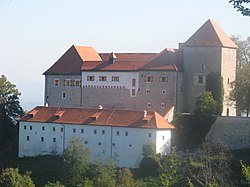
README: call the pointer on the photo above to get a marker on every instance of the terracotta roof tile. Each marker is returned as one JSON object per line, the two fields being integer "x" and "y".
{"x": 102, "y": 117}
{"x": 210, "y": 35}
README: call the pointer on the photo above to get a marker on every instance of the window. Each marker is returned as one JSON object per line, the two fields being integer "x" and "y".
{"x": 42, "y": 139}
{"x": 64, "y": 95}
{"x": 162, "y": 105}
{"x": 30, "y": 127}
{"x": 99, "y": 143}
{"x": 43, "y": 128}
{"x": 27, "y": 138}
{"x": 82, "y": 130}
{"x": 74, "y": 130}
{"x": 86, "y": 142}
{"x": 228, "y": 81}
{"x": 90, "y": 78}
{"x": 133, "y": 92}
{"x": 163, "y": 78}
{"x": 203, "y": 66}
{"x": 56, "y": 82}
{"x": 163, "y": 137}
{"x": 95, "y": 131}
{"x": 115, "y": 78}
{"x": 117, "y": 133}
{"x": 130, "y": 145}
{"x": 103, "y": 131}
{"x": 77, "y": 83}
{"x": 126, "y": 133}
{"x": 163, "y": 91}
{"x": 54, "y": 139}
{"x": 102, "y": 78}
{"x": 149, "y": 105}
{"x": 61, "y": 129}
{"x": 149, "y": 135}
{"x": 113, "y": 144}
{"x": 148, "y": 78}
{"x": 133, "y": 82}
{"x": 200, "y": 79}
{"x": 147, "y": 91}
{"x": 72, "y": 83}
{"x": 24, "y": 127}
{"x": 54, "y": 129}
{"x": 66, "y": 83}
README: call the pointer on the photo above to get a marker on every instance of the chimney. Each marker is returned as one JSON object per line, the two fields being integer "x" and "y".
{"x": 112, "y": 58}
{"x": 144, "y": 114}
{"x": 100, "y": 107}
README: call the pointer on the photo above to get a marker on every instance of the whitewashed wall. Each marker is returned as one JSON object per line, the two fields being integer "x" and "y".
{"x": 123, "y": 148}
{"x": 125, "y": 79}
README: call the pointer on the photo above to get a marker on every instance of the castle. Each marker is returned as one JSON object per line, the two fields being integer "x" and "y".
{"x": 118, "y": 102}
{"x": 157, "y": 82}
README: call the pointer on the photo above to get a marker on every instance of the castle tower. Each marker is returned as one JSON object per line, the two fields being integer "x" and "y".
{"x": 209, "y": 49}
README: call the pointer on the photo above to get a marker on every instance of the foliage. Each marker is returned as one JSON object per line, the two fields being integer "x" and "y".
{"x": 75, "y": 162}
{"x": 205, "y": 104}
{"x": 11, "y": 177}
{"x": 246, "y": 171}
{"x": 104, "y": 175}
{"x": 56, "y": 184}
{"x": 209, "y": 166}
{"x": 125, "y": 178}
{"x": 239, "y": 5}
{"x": 9, "y": 99}
{"x": 243, "y": 51}
{"x": 241, "y": 89}
{"x": 150, "y": 164}
{"x": 171, "y": 170}
{"x": 214, "y": 83}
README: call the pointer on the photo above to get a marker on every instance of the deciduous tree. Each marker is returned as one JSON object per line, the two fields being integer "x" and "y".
{"x": 241, "y": 6}
{"x": 205, "y": 104}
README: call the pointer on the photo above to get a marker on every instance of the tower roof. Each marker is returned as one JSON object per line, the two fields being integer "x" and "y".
{"x": 210, "y": 35}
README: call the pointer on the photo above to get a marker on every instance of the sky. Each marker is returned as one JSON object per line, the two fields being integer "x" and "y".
{"x": 34, "y": 34}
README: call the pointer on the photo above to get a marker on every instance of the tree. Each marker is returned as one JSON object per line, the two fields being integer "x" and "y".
{"x": 239, "y": 5}
{"x": 125, "y": 178}
{"x": 75, "y": 162}
{"x": 246, "y": 171}
{"x": 56, "y": 184}
{"x": 209, "y": 166}
{"x": 9, "y": 99}
{"x": 214, "y": 83}
{"x": 11, "y": 177}
{"x": 241, "y": 89}
{"x": 205, "y": 104}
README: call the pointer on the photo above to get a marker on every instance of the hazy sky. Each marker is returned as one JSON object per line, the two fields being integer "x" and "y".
{"x": 36, "y": 33}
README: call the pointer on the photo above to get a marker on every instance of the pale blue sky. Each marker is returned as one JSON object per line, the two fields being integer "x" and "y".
{"x": 35, "y": 33}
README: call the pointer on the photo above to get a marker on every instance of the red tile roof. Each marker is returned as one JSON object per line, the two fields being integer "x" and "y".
{"x": 100, "y": 117}
{"x": 210, "y": 35}
{"x": 123, "y": 62}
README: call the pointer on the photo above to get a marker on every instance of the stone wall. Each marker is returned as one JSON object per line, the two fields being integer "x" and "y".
{"x": 233, "y": 132}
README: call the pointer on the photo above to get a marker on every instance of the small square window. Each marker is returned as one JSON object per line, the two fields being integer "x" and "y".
{"x": 163, "y": 91}
{"x": 148, "y": 78}
{"x": 56, "y": 82}
{"x": 147, "y": 91}
{"x": 74, "y": 130}
{"x": 103, "y": 131}
{"x": 82, "y": 130}
{"x": 24, "y": 127}
{"x": 95, "y": 131}
{"x": 99, "y": 143}
{"x": 117, "y": 133}
{"x": 200, "y": 79}
{"x": 149, "y": 105}
{"x": 30, "y": 127}
{"x": 126, "y": 133}
{"x": 54, "y": 139}
{"x": 133, "y": 92}
{"x": 86, "y": 142}
{"x": 77, "y": 83}
{"x": 162, "y": 105}
{"x": 163, "y": 78}
{"x": 42, "y": 139}
{"x": 113, "y": 144}
{"x": 43, "y": 128}
{"x": 27, "y": 138}
{"x": 130, "y": 145}
{"x": 149, "y": 135}
{"x": 54, "y": 129}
